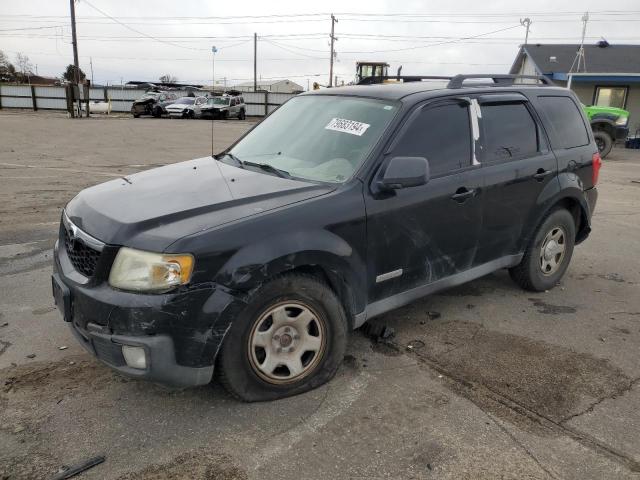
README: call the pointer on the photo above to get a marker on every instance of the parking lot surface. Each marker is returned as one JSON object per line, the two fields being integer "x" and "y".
{"x": 482, "y": 381}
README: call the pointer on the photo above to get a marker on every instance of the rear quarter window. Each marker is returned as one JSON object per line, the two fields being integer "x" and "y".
{"x": 566, "y": 121}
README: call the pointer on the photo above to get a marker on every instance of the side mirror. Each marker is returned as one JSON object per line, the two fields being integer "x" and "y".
{"x": 403, "y": 172}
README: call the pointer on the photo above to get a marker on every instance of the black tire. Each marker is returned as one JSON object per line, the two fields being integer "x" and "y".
{"x": 235, "y": 367}
{"x": 157, "y": 112}
{"x": 529, "y": 273}
{"x": 136, "y": 115}
{"x": 241, "y": 115}
{"x": 225, "y": 115}
{"x": 604, "y": 142}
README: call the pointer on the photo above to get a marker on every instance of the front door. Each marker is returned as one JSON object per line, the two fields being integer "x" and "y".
{"x": 419, "y": 235}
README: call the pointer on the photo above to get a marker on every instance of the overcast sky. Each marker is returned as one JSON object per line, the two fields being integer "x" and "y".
{"x": 423, "y": 37}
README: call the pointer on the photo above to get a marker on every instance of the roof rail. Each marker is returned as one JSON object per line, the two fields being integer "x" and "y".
{"x": 411, "y": 78}
{"x": 498, "y": 79}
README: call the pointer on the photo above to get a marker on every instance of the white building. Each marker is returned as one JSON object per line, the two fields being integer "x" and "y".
{"x": 273, "y": 86}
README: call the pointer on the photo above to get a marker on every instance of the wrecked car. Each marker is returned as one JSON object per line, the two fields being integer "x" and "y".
{"x": 341, "y": 205}
{"x": 225, "y": 107}
{"x": 186, "y": 107}
{"x": 152, "y": 103}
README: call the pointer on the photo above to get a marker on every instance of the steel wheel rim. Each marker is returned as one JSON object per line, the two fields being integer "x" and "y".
{"x": 553, "y": 250}
{"x": 600, "y": 145}
{"x": 287, "y": 342}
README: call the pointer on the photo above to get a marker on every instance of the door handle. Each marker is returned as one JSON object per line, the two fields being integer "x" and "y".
{"x": 541, "y": 174}
{"x": 462, "y": 194}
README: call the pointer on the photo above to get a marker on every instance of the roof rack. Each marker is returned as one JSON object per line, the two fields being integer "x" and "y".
{"x": 411, "y": 78}
{"x": 498, "y": 79}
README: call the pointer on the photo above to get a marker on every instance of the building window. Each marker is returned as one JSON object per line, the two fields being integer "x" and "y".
{"x": 611, "y": 97}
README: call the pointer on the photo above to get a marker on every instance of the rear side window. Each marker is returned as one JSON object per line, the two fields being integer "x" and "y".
{"x": 508, "y": 131}
{"x": 565, "y": 118}
{"x": 442, "y": 134}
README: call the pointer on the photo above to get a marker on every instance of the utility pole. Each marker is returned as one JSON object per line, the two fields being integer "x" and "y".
{"x": 74, "y": 42}
{"x": 91, "y": 64}
{"x": 526, "y": 23}
{"x": 334, "y": 20}
{"x": 255, "y": 62}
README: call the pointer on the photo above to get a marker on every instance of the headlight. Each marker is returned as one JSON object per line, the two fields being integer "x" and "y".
{"x": 622, "y": 120}
{"x": 148, "y": 272}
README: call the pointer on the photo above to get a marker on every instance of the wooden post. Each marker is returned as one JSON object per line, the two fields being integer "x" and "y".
{"x": 106, "y": 94}
{"x": 0, "y": 97}
{"x": 33, "y": 98}
{"x": 266, "y": 103}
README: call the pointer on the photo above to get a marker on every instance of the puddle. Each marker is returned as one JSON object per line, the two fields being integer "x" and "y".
{"x": 553, "y": 381}
{"x": 549, "y": 309}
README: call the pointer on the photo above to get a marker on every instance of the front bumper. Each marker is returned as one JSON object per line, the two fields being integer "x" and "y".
{"x": 621, "y": 133}
{"x": 162, "y": 366}
{"x": 180, "y": 332}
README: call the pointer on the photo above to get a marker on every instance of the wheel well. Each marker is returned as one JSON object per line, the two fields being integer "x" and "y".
{"x": 578, "y": 214}
{"x": 602, "y": 127}
{"x": 335, "y": 282}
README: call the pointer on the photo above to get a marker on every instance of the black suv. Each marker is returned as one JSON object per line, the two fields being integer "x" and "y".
{"x": 343, "y": 204}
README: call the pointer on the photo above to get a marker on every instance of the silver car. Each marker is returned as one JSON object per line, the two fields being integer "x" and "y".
{"x": 187, "y": 107}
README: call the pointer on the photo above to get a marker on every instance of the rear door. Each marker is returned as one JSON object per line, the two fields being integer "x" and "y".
{"x": 419, "y": 235}
{"x": 517, "y": 165}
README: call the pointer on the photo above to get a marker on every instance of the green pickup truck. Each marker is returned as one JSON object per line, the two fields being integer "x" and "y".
{"x": 609, "y": 124}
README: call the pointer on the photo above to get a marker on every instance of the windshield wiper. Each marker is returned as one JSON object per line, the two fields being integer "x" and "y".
{"x": 267, "y": 168}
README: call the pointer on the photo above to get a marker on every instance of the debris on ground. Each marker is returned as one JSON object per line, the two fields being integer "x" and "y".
{"x": 415, "y": 344}
{"x": 5, "y": 324}
{"x": 31, "y": 355}
{"x": 72, "y": 471}
{"x": 378, "y": 332}
{"x": 64, "y": 347}
{"x": 434, "y": 315}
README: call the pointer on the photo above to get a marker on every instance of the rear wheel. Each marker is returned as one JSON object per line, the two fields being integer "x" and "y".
{"x": 241, "y": 115}
{"x": 548, "y": 255}
{"x": 604, "y": 142}
{"x": 157, "y": 112}
{"x": 289, "y": 339}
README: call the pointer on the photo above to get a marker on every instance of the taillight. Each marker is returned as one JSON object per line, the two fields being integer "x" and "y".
{"x": 596, "y": 163}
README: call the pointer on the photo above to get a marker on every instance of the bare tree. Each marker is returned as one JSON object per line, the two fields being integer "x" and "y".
{"x": 25, "y": 67}
{"x": 168, "y": 78}
{"x": 7, "y": 70}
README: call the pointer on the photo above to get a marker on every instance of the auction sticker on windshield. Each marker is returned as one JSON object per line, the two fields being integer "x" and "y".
{"x": 347, "y": 126}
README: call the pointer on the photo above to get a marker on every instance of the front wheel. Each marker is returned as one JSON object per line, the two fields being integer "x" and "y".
{"x": 548, "y": 255}
{"x": 290, "y": 338}
{"x": 241, "y": 115}
{"x": 604, "y": 142}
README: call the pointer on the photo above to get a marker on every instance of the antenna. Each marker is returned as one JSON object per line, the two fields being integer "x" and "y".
{"x": 526, "y": 23}
{"x": 580, "y": 53}
{"x": 213, "y": 89}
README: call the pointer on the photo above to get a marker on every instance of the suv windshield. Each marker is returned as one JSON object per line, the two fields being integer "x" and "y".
{"x": 318, "y": 137}
{"x": 218, "y": 101}
{"x": 186, "y": 100}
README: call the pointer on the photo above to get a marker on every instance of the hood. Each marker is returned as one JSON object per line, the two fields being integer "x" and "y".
{"x": 178, "y": 106}
{"x": 142, "y": 101}
{"x": 152, "y": 209}
{"x": 593, "y": 109}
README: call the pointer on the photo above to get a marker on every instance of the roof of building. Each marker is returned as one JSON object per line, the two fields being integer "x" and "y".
{"x": 267, "y": 83}
{"x": 601, "y": 58}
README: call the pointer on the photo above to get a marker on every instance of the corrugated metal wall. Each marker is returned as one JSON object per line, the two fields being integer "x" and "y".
{"x": 19, "y": 96}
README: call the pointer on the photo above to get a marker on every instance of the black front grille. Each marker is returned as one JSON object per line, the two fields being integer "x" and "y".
{"x": 83, "y": 258}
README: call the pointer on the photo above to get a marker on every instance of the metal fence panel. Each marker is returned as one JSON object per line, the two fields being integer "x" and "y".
{"x": 121, "y": 105}
{"x": 50, "y": 92}
{"x": 49, "y": 103}
{"x": 17, "y": 90}
{"x": 280, "y": 98}
{"x": 15, "y": 102}
{"x": 129, "y": 94}
{"x": 96, "y": 94}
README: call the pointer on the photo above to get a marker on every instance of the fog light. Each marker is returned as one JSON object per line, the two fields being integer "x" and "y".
{"x": 134, "y": 356}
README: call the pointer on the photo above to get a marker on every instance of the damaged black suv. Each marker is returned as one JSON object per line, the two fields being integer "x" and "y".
{"x": 343, "y": 204}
